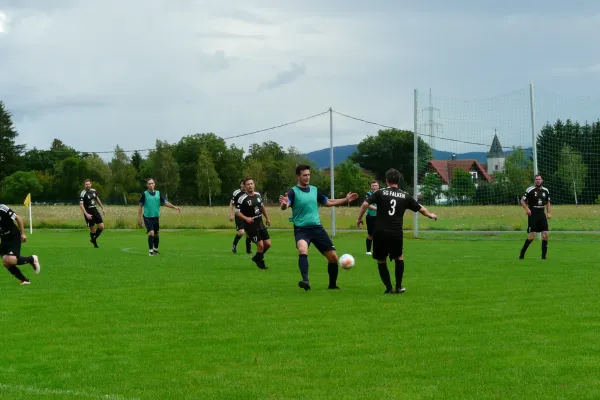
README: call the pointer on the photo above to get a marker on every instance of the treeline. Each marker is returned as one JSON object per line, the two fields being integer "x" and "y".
{"x": 202, "y": 169}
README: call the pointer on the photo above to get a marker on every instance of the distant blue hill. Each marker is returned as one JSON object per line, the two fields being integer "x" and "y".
{"x": 341, "y": 153}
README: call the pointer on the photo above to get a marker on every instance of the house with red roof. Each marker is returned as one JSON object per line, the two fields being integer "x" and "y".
{"x": 479, "y": 172}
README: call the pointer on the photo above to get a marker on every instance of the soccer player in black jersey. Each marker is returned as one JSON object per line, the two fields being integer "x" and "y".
{"x": 251, "y": 209}
{"x": 535, "y": 199}
{"x": 388, "y": 236}
{"x": 11, "y": 238}
{"x": 371, "y": 217}
{"x": 88, "y": 199}
{"x": 239, "y": 223}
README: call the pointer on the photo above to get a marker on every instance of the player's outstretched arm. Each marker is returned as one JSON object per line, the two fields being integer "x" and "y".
{"x": 339, "y": 202}
{"x": 361, "y": 213}
{"x": 425, "y": 212}
{"x": 172, "y": 206}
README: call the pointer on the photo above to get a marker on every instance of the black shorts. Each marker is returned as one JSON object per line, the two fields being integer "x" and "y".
{"x": 537, "y": 223}
{"x": 258, "y": 235}
{"x": 239, "y": 223}
{"x": 387, "y": 244}
{"x": 96, "y": 218}
{"x": 371, "y": 219}
{"x": 316, "y": 235}
{"x": 11, "y": 245}
{"x": 151, "y": 224}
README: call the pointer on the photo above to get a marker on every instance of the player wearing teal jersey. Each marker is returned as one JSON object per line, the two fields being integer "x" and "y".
{"x": 149, "y": 208}
{"x": 304, "y": 200}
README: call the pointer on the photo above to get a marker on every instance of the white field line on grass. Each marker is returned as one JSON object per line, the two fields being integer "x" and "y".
{"x": 63, "y": 392}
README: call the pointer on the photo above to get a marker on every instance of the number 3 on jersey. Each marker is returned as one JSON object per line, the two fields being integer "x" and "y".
{"x": 392, "y": 209}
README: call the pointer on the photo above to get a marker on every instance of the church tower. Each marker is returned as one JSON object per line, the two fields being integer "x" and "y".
{"x": 495, "y": 157}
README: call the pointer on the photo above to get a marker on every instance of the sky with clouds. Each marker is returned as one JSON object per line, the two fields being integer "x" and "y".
{"x": 97, "y": 74}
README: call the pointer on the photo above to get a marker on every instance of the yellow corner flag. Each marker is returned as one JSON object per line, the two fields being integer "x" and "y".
{"x": 27, "y": 204}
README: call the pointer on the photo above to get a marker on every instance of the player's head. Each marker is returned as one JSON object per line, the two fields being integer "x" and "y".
{"x": 303, "y": 174}
{"x": 538, "y": 180}
{"x": 242, "y": 185}
{"x": 150, "y": 184}
{"x": 374, "y": 185}
{"x": 88, "y": 184}
{"x": 392, "y": 177}
{"x": 249, "y": 185}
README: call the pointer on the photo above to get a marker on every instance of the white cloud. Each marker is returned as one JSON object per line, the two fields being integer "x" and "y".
{"x": 3, "y": 22}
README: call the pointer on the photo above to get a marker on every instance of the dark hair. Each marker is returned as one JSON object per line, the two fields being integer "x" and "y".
{"x": 87, "y": 180}
{"x": 393, "y": 176}
{"x": 537, "y": 176}
{"x": 150, "y": 179}
{"x": 243, "y": 180}
{"x": 374, "y": 181}
{"x": 247, "y": 179}
{"x": 301, "y": 168}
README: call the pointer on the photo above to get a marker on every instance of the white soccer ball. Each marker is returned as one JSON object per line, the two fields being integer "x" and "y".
{"x": 346, "y": 261}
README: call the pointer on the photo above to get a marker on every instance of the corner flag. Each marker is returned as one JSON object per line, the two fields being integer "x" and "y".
{"x": 27, "y": 204}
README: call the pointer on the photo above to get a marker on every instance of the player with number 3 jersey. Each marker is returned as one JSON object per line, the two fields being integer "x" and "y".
{"x": 391, "y": 203}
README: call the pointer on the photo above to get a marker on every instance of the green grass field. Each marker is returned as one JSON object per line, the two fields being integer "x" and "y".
{"x": 472, "y": 218}
{"x": 198, "y": 322}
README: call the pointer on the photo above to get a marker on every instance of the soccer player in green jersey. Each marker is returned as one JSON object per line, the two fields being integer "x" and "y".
{"x": 304, "y": 199}
{"x": 150, "y": 203}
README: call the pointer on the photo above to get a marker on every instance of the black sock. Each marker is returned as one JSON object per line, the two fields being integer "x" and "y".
{"x": 544, "y": 248}
{"x": 16, "y": 272}
{"x": 369, "y": 243}
{"x": 25, "y": 260}
{"x": 259, "y": 258}
{"x": 526, "y": 245}
{"x": 265, "y": 249}
{"x": 98, "y": 232}
{"x": 150, "y": 242}
{"x": 384, "y": 273}
{"x": 156, "y": 239}
{"x": 92, "y": 235}
{"x": 303, "y": 265}
{"x": 399, "y": 273}
{"x": 332, "y": 270}
{"x": 248, "y": 245}
{"x": 236, "y": 239}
